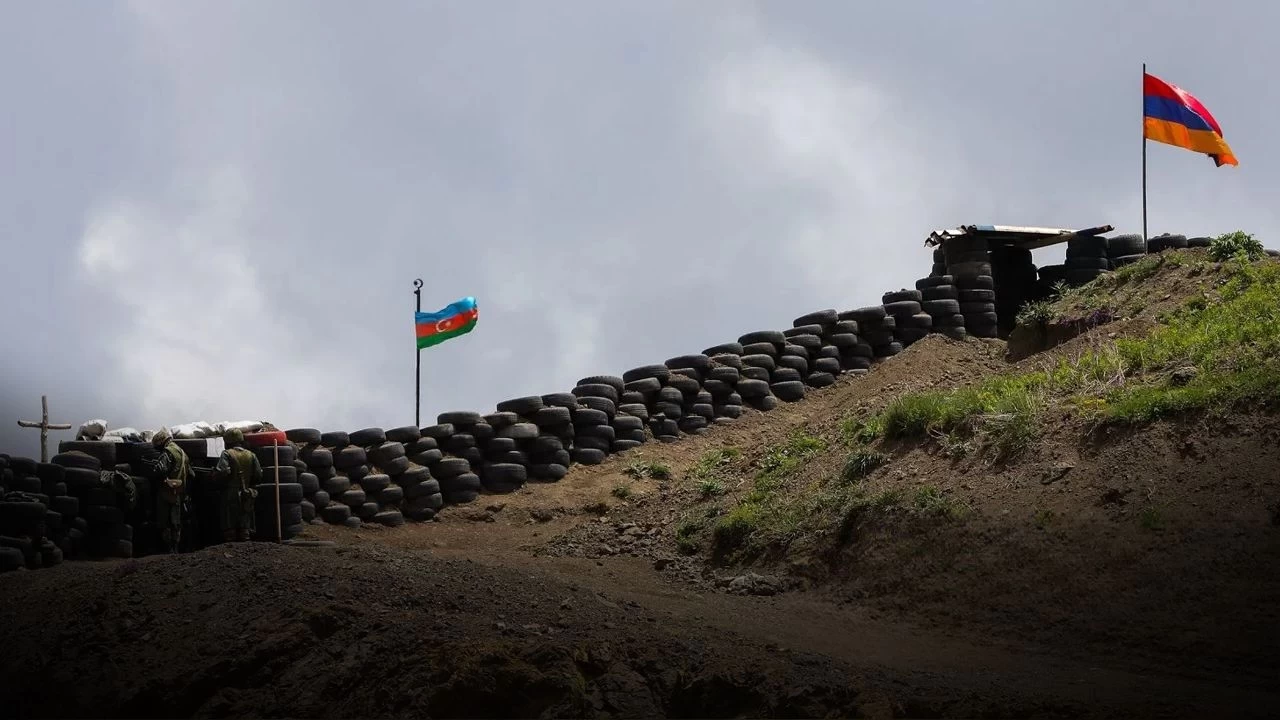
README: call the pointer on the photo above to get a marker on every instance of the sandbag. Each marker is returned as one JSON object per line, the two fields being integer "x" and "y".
{"x": 92, "y": 430}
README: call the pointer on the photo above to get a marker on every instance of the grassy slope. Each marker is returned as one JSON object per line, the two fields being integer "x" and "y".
{"x": 938, "y": 496}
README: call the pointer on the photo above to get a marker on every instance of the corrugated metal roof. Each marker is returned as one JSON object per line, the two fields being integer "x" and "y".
{"x": 1019, "y": 235}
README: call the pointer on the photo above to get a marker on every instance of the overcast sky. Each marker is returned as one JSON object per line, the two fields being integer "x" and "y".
{"x": 215, "y": 211}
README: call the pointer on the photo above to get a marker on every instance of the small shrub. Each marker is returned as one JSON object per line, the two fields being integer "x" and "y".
{"x": 687, "y": 537}
{"x": 932, "y": 501}
{"x": 862, "y": 431}
{"x": 736, "y": 527}
{"x": 642, "y": 470}
{"x": 1036, "y": 314}
{"x": 1238, "y": 244}
{"x": 622, "y": 491}
{"x": 1152, "y": 519}
{"x": 861, "y": 462}
{"x": 710, "y": 487}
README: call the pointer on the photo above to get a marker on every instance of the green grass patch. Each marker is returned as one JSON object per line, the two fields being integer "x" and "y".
{"x": 709, "y": 488}
{"x": 1000, "y": 414}
{"x": 765, "y": 510}
{"x": 642, "y": 470}
{"x": 1238, "y": 244}
{"x": 932, "y": 501}
{"x": 860, "y": 463}
{"x": 687, "y": 537}
{"x": 622, "y": 491}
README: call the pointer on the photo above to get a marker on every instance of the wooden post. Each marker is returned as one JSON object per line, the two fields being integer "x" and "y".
{"x": 275, "y": 449}
{"x": 44, "y": 426}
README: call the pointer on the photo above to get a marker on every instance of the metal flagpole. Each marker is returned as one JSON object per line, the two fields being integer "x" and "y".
{"x": 417, "y": 375}
{"x": 1144, "y": 153}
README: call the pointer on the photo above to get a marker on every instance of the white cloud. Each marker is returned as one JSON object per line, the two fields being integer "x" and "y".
{"x": 199, "y": 338}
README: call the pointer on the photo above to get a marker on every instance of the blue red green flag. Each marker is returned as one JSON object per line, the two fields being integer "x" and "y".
{"x": 458, "y": 318}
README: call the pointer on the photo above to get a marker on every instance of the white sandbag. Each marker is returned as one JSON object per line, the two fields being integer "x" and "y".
{"x": 187, "y": 431}
{"x": 126, "y": 434}
{"x": 92, "y": 430}
{"x": 244, "y": 426}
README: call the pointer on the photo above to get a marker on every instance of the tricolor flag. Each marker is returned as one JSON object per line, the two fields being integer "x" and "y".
{"x": 1173, "y": 116}
{"x": 456, "y": 319}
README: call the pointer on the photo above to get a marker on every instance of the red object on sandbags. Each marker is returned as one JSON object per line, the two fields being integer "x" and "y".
{"x": 266, "y": 438}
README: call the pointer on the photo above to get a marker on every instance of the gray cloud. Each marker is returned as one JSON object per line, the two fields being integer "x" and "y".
{"x": 215, "y": 211}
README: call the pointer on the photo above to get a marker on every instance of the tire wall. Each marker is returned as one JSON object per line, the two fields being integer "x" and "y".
{"x": 68, "y": 508}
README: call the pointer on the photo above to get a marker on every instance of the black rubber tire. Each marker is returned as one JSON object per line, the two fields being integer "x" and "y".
{"x": 760, "y": 348}
{"x": 786, "y": 374}
{"x": 103, "y": 450}
{"x": 267, "y": 455}
{"x": 588, "y": 456}
{"x": 389, "y": 518}
{"x": 808, "y": 342}
{"x": 290, "y": 493}
{"x": 319, "y": 499}
{"x": 820, "y": 379}
{"x": 770, "y": 336}
{"x": 375, "y": 483}
{"x": 793, "y": 362}
{"x": 450, "y": 468}
{"x": 385, "y": 452}
{"x": 644, "y": 385}
{"x": 1123, "y": 260}
{"x": 611, "y": 380}
{"x": 693, "y": 362}
{"x": 335, "y": 513}
{"x": 818, "y": 317}
{"x": 596, "y": 390}
{"x": 939, "y": 292}
{"x": 911, "y": 335}
{"x": 466, "y": 482}
{"x": 439, "y": 431}
{"x": 761, "y": 361}
{"x": 288, "y": 474}
{"x": 316, "y": 457}
{"x": 870, "y": 314}
{"x": 789, "y": 390}
{"x": 368, "y": 437}
{"x": 459, "y": 417}
{"x": 403, "y": 435}
{"x": 976, "y": 282}
{"x": 390, "y": 495}
{"x": 586, "y": 417}
{"x": 751, "y": 389}
{"x": 335, "y": 439}
{"x": 723, "y": 360}
{"x": 604, "y": 405}
{"x": 753, "y": 373}
{"x": 67, "y": 460}
{"x": 1166, "y": 242}
{"x": 902, "y": 307}
{"x": 304, "y": 436}
{"x": 335, "y": 486}
{"x": 354, "y": 498}
{"x": 897, "y": 296}
{"x": 975, "y": 308}
{"x": 1128, "y": 244}
{"x": 646, "y": 371}
{"x": 1199, "y": 242}
{"x": 980, "y": 320}
{"x": 1088, "y": 263}
{"x": 349, "y": 457}
{"x": 984, "y": 296}
{"x": 729, "y": 348}
{"x": 553, "y": 416}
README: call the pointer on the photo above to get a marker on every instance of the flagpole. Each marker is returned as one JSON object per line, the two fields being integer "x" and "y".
{"x": 1144, "y": 154}
{"x": 417, "y": 375}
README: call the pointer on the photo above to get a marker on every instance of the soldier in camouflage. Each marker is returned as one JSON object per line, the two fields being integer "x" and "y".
{"x": 174, "y": 468}
{"x": 238, "y": 470}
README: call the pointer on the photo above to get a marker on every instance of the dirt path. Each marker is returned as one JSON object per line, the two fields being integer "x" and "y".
{"x": 810, "y": 623}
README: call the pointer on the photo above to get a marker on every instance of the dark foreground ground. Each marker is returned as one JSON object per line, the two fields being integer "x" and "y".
{"x": 365, "y": 630}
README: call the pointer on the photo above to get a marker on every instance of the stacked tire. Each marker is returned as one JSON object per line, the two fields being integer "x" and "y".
{"x": 596, "y": 405}
{"x": 101, "y": 519}
{"x": 315, "y": 469}
{"x": 1087, "y": 258}
{"x": 816, "y": 344}
{"x": 1166, "y": 241}
{"x": 1125, "y": 250}
{"x": 722, "y": 381}
{"x": 852, "y": 349}
{"x": 939, "y": 263}
{"x": 758, "y": 376}
{"x": 877, "y": 327}
{"x": 1014, "y": 274}
{"x": 32, "y": 531}
{"x": 911, "y": 322}
{"x": 969, "y": 264}
{"x": 940, "y": 300}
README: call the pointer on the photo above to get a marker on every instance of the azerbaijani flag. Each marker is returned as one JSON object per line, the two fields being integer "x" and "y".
{"x": 1173, "y": 116}
{"x": 456, "y": 319}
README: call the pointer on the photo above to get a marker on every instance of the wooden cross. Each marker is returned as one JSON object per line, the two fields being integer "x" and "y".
{"x": 45, "y": 427}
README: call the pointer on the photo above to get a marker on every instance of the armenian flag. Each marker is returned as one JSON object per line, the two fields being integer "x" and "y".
{"x": 457, "y": 318}
{"x": 1175, "y": 117}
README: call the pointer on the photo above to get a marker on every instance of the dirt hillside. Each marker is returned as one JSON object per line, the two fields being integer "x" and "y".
{"x": 1086, "y": 526}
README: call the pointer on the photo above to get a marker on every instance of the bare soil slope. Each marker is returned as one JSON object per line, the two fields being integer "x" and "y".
{"x": 1134, "y": 572}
